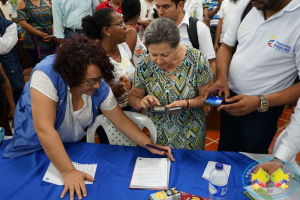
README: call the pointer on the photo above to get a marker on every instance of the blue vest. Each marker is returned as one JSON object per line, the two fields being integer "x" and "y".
{"x": 25, "y": 139}
{"x": 10, "y": 61}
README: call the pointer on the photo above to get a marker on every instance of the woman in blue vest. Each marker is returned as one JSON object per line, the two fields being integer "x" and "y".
{"x": 61, "y": 99}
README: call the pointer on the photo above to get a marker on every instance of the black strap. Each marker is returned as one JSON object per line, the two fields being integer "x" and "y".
{"x": 2, "y": 14}
{"x": 192, "y": 32}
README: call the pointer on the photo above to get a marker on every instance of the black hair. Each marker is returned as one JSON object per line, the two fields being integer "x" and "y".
{"x": 176, "y": 2}
{"x": 130, "y": 9}
{"x": 93, "y": 25}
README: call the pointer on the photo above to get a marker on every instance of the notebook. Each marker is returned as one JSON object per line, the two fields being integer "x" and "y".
{"x": 151, "y": 173}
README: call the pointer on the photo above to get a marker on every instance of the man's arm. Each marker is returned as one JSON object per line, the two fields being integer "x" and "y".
{"x": 217, "y": 36}
{"x": 211, "y": 11}
{"x": 57, "y": 20}
{"x": 9, "y": 39}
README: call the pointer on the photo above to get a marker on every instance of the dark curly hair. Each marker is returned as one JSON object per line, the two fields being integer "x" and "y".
{"x": 93, "y": 25}
{"x": 130, "y": 9}
{"x": 76, "y": 54}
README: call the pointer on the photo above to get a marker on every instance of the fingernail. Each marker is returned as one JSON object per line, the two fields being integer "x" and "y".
{"x": 84, "y": 195}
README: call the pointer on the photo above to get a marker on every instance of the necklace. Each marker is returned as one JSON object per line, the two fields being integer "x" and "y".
{"x": 170, "y": 73}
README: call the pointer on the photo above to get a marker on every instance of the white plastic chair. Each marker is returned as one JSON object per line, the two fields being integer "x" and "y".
{"x": 114, "y": 136}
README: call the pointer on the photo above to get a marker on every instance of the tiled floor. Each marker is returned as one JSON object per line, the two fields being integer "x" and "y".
{"x": 213, "y": 126}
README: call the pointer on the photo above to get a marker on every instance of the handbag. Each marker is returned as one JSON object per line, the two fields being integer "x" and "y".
{"x": 43, "y": 49}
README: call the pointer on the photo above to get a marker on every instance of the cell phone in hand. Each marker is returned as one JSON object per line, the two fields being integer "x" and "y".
{"x": 214, "y": 100}
{"x": 162, "y": 109}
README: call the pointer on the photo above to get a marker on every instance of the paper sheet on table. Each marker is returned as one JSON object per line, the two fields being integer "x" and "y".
{"x": 53, "y": 176}
{"x": 210, "y": 165}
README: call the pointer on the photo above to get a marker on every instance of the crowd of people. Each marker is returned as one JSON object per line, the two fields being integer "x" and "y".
{"x": 92, "y": 58}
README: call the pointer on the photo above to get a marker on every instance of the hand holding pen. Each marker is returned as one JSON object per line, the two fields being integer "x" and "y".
{"x": 163, "y": 150}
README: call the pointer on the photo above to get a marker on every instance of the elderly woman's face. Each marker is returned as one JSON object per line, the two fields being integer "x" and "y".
{"x": 162, "y": 54}
{"x": 92, "y": 80}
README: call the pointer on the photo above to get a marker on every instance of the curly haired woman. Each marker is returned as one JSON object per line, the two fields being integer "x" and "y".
{"x": 61, "y": 100}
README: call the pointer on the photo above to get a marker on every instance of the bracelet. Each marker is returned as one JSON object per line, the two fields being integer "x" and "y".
{"x": 68, "y": 172}
{"x": 188, "y": 103}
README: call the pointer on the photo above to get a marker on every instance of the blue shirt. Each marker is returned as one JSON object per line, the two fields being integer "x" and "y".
{"x": 215, "y": 19}
{"x": 68, "y": 14}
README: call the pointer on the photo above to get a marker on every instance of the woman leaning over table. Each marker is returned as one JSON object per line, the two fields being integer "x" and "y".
{"x": 173, "y": 75}
{"x": 108, "y": 26}
{"x": 61, "y": 99}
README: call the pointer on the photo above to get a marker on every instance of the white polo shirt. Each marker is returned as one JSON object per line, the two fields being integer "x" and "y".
{"x": 267, "y": 59}
{"x": 204, "y": 37}
{"x": 8, "y": 10}
{"x": 194, "y": 8}
{"x": 147, "y": 9}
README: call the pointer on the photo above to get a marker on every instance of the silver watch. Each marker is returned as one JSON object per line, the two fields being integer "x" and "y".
{"x": 264, "y": 105}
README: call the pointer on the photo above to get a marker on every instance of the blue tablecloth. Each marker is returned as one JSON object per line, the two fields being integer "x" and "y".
{"x": 21, "y": 177}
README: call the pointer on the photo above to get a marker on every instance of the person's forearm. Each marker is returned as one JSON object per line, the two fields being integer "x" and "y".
{"x": 284, "y": 97}
{"x": 117, "y": 90}
{"x": 212, "y": 63}
{"x": 210, "y": 14}
{"x": 126, "y": 126}
{"x": 224, "y": 56}
{"x": 54, "y": 149}
{"x": 218, "y": 32}
{"x": 134, "y": 101}
{"x": 30, "y": 29}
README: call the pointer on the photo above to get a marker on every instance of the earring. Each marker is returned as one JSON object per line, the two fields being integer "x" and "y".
{"x": 108, "y": 34}
{"x": 176, "y": 52}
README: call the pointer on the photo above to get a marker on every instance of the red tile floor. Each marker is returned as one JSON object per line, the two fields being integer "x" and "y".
{"x": 213, "y": 125}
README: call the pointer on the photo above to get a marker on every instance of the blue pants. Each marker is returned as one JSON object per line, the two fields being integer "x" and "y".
{"x": 252, "y": 133}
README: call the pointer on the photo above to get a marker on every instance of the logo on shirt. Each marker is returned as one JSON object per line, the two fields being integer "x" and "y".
{"x": 275, "y": 44}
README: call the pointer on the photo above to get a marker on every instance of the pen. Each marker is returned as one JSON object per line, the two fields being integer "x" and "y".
{"x": 157, "y": 148}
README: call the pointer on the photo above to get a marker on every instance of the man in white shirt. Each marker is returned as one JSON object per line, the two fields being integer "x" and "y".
{"x": 173, "y": 9}
{"x": 193, "y": 8}
{"x": 8, "y": 11}
{"x": 260, "y": 73}
{"x": 226, "y": 14}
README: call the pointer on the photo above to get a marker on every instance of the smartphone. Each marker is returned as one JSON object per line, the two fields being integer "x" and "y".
{"x": 158, "y": 109}
{"x": 175, "y": 108}
{"x": 214, "y": 100}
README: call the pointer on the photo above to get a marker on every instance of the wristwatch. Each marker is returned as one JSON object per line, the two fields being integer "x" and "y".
{"x": 264, "y": 105}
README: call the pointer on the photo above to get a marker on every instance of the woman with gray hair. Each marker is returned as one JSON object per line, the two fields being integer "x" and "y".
{"x": 173, "y": 75}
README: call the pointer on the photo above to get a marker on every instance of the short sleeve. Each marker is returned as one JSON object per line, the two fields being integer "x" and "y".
{"x": 139, "y": 79}
{"x": 204, "y": 72}
{"x": 110, "y": 102}
{"x": 204, "y": 39}
{"x": 22, "y": 14}
{"x": 41, "y": 82}
{"x": 127, "y": 50}
{"x": 221, "y": 12}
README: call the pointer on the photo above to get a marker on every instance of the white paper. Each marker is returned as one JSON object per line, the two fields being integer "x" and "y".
{"x": 53, "y": 176}
{"x": 210, "y": 165}
{"x": 151, "y": 173}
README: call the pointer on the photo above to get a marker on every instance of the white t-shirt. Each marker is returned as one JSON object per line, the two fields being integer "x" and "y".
{"x": 227, "y": 11}
{"x": 74, "y": 123}
{"x": 194, "y": 8}
{"x": 125, "y": 68}
{"x": 147, "y": 9}
{"x": 8, "y": 10}
{"x": 267, "y": 59}
{"x": 290, "y": 145}
{"x": 204, "y": 37}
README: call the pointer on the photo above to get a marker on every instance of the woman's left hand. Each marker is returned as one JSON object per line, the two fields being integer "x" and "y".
{"x": 182, "y": 103}
{"x": 48, "y": 39}
{"x": 162, "y": 153}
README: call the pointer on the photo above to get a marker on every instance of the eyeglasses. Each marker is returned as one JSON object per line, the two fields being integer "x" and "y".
{"x": 121, "y": 24}
{"x": 91, "y": 83}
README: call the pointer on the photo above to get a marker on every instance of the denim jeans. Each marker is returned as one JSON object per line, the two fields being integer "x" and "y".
{"x": 252, "y": 133}
{"x": 69, "y": 33}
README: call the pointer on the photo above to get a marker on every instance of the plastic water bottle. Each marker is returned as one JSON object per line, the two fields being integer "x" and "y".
{"x": 218, "y": 180}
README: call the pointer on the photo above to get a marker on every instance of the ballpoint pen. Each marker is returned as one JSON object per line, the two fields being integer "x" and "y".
{"x": 157, "y": 148}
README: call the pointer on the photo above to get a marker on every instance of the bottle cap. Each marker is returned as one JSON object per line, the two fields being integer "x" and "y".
{"x": 219, "y": 165}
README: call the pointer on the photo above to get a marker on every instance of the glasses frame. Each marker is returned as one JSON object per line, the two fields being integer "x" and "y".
{"x": 91, "y": 83}
{"x": 121, "y": 24}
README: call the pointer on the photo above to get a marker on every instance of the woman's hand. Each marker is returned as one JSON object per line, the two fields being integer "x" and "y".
{"x": 149, "y": 101}
{"x": 74, "y": 182}
{"x": 182, "y": 103}
{"x": 48, "y": 38}
{"x": 162, "y": 153}
{"x": 125, "y": 84}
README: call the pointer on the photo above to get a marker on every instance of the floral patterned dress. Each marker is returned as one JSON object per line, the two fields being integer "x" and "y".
{"x": 187, "y": 128}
